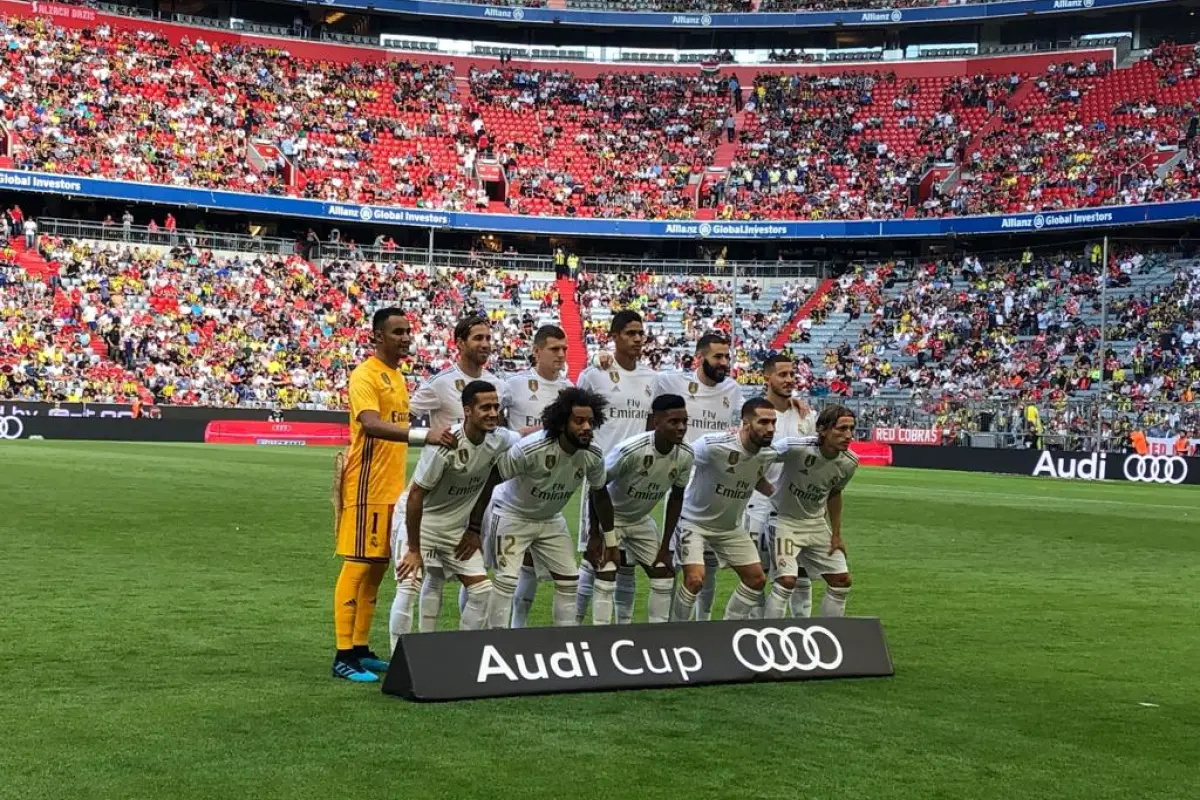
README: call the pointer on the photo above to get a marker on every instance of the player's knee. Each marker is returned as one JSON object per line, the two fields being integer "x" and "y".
{"x": 693, "y": 581}
{"x": 608, "y": 576}
{"x": 787, "y": 582}
{"x": 473, "y": 580}
{"x": 565, "y": 585}
{"x": 756, "y": 581}
{"x": 480, "y": 588}
{"x": 839, "y": 580}
{"x": 659, "y": 573}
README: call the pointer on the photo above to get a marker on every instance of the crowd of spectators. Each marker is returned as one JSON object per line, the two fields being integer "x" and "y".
{"x": 132, "y": 105}
{"x": 180, "y": 325}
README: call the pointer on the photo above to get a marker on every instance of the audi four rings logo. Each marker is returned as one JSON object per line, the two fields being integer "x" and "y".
{"x": 1156, "y": 469}
{"x": 786, "y": 649}
{"x": 11, "y": 427}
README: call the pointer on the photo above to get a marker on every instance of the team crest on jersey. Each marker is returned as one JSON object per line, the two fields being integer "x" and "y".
{"x": 463, "y": 455}
{"x": 648, "y": 391}
{"x": 615, "y": 376}
{"x": 459, "y": 384}
{"x": 725, "y": 401}
{"x": 693, "y": 387}
{"x": 672, "y": 475}
{"x": 579, "y": 474}
{"x": 386, "y": 380}
{"x": 647, "y": 462}
{"x": 809, "y": 461}
{"x": 533, "y": 384}
{"x": 551, "y": 460}
{"x": 733, "y": 458}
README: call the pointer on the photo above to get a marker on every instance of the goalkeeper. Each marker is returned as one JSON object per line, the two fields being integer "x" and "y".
{"x": 370, "y": 475}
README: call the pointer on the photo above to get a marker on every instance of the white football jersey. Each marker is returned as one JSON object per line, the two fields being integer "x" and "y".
{"x": 629, "y": 394}
{"x": 540, "y": 477}
{"x": 809, "y": 478}
{"x": 526, "y": 394}
{"x": 725, "y": 475}
{"x": 787, "y": 424}
{"x": 710, "y": 408}
{"x": 639, "y": 476}
{"x": 440, "y": 396}
{"x": 454, "y": 477}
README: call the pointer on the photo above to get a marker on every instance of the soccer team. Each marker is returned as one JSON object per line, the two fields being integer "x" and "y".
{"x": 747, "y": 483}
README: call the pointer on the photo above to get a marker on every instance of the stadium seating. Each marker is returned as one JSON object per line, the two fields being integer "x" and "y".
{"x": 114, "y": 101}
{"x": 1025, "y": 327}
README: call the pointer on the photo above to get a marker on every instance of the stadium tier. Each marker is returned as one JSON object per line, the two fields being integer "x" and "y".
{"x": 110, "y": 321}
{"x": 182, "y": 107}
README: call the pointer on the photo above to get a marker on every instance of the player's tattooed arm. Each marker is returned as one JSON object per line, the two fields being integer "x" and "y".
{"x": 411, "y": 564}
{"x": 834, "y": 505}
{"x": 670, "y": 521}
{"x": 475, "y": 521}
{"x": 375, "y": 427}
{"x": 602, "y": 507}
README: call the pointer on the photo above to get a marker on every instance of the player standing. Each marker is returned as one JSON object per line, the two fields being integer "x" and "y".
{"x": 641, "y": 471}
{"x": 713, "y": 402}
{"x": 526, "y": 394}
{"x": 728, "y": 468}
{"x": 793, "y": 418}
{"x": 627, "y": 385}
{"x": 815, "y": 471}
{"x": 444, "y": 488}
{"x": 541, "y": 473}
{"x": 370, "y": 475}
{"x": 440, "y": 396}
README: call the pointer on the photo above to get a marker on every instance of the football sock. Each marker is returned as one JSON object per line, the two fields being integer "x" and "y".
{"x": 565, "y": 598}
{"x": 704, "y": 604}
{"x": 626, "y": 591}
{"x": 474, "y": 614}
{"x": 527, "y": 584}
{"x": 741, "y": 601}
{"x": 802, "y": 598}
{"x": 777, "y": 602}
{"x": 583, "y": 592}
{"x": 602, "y": 601}
{"x": 345, "y": 601}
{"x": 500, "y": 602}
{"x": 368, "y": 596}
{"x": 658, "y": 607}
{"x": 834, "y": 602}
{"x": 400, "y": 620}
{"x": 684, "y": 603}
{"x": 432, "y": 589}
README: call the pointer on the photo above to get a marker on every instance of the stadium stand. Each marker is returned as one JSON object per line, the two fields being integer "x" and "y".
{"x": 116, "y": 101}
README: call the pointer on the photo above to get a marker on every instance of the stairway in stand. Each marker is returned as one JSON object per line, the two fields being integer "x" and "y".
{"x": 785, "y": 333}
{"x": 572, "y": 325}
{"x": 30, "y": 260}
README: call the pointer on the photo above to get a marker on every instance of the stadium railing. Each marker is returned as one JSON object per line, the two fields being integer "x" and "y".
{"x": 140, "y": 234}
{"x": 434, "y": 258}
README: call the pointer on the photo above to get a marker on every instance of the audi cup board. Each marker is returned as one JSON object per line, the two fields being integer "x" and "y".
{"x": 460, "y": 665}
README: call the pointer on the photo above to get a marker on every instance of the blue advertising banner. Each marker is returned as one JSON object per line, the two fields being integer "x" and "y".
{"x": 800, "y": 19}
{"x": 1147, "y": 213}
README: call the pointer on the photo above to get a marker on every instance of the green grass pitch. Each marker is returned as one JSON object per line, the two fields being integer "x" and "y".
{"x": 166, "y": 633}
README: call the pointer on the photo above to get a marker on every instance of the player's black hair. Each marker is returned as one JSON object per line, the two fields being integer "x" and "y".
{"x": 380, "y": 317}
{"x": 831, "y": 414}
{"x": 770, "y": 362}
{"x": 621, "y": 321}
{"x": 667, "y": 402}
{"x": 556, "y": 415}
{"x": 709, "y": 339}
{"x": 547, "y": 332}
{"x": 462, "y": 331}
{"x": 752, "y": 405}
{"x": 473, "y": 390}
